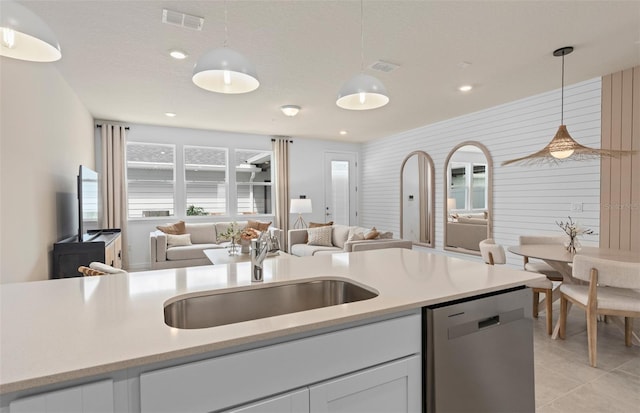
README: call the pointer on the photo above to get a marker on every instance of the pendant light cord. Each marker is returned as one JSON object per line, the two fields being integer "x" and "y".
{"x": 562, "y": 94}
{"x": 226, "y": 30}
{"x": 361, "y": 35}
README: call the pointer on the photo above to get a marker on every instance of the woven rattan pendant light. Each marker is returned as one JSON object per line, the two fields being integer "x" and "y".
{"x": 563, "y": 147}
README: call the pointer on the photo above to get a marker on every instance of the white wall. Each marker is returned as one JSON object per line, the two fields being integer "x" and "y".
{"x": 306, "y": 170}
{"x": 46, "y": 133}
{"x": 527, "y": 200}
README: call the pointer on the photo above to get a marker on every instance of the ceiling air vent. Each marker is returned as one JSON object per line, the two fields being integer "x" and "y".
{"x": 176, "y": 18}
{"x": 382, "y": 66}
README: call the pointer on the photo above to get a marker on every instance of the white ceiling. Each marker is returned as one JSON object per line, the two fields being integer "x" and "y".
{"x": 115, "y": 57}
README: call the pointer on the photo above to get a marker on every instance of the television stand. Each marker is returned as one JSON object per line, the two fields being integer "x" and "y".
{"x": 103, "y": 245}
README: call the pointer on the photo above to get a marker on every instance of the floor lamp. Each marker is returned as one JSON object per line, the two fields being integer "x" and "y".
{"x": 300, "y": 206}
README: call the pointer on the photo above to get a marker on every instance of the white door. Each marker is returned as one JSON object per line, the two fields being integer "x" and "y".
{"x": 340, "y": 200}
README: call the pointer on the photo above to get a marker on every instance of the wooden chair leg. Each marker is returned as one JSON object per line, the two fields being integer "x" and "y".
{"x": 536, "y": 302}
{"x": 628, "y": 329}
{"x": 548, "y": 294}
{"x": 563, "y": 317}
{"x": 592, "y": 336}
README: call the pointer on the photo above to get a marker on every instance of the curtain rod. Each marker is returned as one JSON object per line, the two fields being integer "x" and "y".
{"x": 99, "y": 126}
{"x": 288, "y": 140}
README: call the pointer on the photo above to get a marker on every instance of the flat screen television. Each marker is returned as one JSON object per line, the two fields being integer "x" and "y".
{"x": 88, "y": 204}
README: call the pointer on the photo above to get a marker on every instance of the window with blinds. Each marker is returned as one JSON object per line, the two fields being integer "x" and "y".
{"x": 150, "y": 179}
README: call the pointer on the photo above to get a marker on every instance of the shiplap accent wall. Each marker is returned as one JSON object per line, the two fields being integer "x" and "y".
{"x": 620, "y": 191}
{"x": 527, "y": 200}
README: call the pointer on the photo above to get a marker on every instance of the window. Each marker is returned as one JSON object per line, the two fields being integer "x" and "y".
{"x": 253, "y": 182}
{"x": 205, "y": 171}
{"x": 214, "y": 181}
{"x": 150, "y": 179}
{"x": 468, "y": 185}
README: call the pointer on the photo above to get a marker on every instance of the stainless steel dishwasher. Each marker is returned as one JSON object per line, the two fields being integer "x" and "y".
{"x": 478, "y": 354}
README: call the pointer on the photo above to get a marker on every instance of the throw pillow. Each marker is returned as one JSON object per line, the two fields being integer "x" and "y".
{"x": 260, "y": 226}
{"x": 320, "y": 236}
{"x": 178, "y": 240}
{"x": 385, "y": 235}
{"x": 373, "y": 234}
{"x": 355, "y": 234}
{"x": 319, "y": 224}
{"x": 176, "y": 229}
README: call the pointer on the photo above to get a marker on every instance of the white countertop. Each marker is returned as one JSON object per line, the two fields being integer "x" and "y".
{"x": 57, "y": 330}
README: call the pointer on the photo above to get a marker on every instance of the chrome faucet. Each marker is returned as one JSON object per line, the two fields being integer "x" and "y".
{"x": 259, "y": 249}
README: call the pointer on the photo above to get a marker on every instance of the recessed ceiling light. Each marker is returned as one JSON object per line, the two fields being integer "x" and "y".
{"x": 170, "y": 114}
{"x": 290, "y": 110}
{"x": 178, "y": 54}
{"x": 465, "y": 88}
{"x": 343, "y": 132}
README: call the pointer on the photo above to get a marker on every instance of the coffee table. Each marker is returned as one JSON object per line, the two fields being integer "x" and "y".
{"x": 221, "y": 256}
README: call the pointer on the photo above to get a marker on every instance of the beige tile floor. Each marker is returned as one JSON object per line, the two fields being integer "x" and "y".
{"x": 565, "y": 382}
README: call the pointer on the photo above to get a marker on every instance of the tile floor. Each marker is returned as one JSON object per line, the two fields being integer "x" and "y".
{"x": 565, "y": 382}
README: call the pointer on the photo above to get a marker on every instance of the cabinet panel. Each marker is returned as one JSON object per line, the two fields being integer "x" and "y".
{"x": 393, "y": 387}
{"x": 117, "y": 249}
{"x": 226, "y": 381}
{"x": 293, "y": 402}
{"x": 89, "y": 398}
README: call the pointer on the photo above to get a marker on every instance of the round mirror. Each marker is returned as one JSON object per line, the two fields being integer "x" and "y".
{"x": 417, "y": 222}
{"x": 468, "y": 198}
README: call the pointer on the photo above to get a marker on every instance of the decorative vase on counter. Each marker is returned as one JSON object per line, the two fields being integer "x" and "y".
{"x": 245, "y": 246}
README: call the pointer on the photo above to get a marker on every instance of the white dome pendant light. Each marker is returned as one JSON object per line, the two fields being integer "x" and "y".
{"x": 26, "y": 36}
{"x": 362, "y": 92}
{"x": 224, "y": 70}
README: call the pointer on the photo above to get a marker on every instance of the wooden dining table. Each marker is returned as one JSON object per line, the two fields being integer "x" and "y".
{"x": 557, "y": 256}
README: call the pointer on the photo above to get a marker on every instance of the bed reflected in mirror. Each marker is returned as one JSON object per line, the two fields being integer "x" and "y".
{"x": 417, "y": 222}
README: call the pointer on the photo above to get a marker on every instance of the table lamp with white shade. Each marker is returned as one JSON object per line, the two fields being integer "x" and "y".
{"x": 300, "y": 206}
{"x": 451, "y": 205}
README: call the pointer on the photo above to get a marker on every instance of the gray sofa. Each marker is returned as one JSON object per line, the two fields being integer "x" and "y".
{"x": 297, "y": 242}
{"x": 203, "y": 236}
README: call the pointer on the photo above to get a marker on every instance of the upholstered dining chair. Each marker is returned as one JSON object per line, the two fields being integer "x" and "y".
{"x": 537, "y": 265}
{"x": 613, "y": 290}
{"x": 493, "y": 253}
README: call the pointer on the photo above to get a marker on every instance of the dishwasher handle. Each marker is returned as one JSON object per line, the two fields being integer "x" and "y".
{"x": 474, "y": 326}
{"x": 488, "y": 322}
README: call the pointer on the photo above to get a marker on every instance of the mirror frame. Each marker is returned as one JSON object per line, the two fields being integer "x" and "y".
{"x": 430, "y": 192}
{"x": 445, "y": 214}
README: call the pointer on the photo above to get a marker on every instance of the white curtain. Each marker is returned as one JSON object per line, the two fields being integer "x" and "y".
{"x": 113, "y": 182}
{"x": 281, "y": 163}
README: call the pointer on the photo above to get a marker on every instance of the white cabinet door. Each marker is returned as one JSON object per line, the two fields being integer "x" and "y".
{"x": 293, "y": 402}
{"x": 88, "y": 398}
{"x": 389, "y": 388}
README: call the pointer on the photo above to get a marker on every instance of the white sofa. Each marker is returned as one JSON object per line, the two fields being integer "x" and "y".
{"x": 297, "y": 242}
{"x": 204, "y": 236}
{"x": 467, "y": 231}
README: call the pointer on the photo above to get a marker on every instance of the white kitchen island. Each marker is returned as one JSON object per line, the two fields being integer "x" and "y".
{"x": 109, "y": 333}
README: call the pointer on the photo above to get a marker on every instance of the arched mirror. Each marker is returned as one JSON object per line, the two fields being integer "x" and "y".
{"x": 417, "y": 199}
{"x": 468, "y": 198}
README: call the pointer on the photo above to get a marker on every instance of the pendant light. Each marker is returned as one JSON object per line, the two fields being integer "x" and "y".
{"x": 26, "y": 36}
{"x": 362, "y": 92}
{"x": 563, "y": 146}
{"x": 224, "y": 70}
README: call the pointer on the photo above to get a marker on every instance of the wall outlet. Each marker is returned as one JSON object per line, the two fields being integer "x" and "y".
{"x": 576, "y": 207}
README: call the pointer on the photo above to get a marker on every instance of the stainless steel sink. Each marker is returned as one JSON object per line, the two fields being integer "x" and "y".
{"x": 219, "y": 308}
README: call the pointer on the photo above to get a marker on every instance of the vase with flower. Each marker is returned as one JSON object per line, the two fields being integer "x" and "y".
{"x": 573, "y": 230}
{"x": 246, "y": 235}
{"x": 232, "y": 234}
